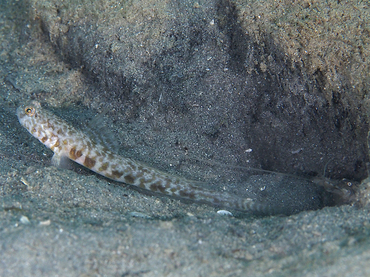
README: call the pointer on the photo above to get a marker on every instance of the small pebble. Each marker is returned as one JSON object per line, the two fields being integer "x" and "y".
{"x": 45, "y": 223}
{"x": 224, "y": 212}
{"x": 24, "y": 220}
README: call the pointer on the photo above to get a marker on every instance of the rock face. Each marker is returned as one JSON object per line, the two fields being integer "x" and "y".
{"x": 194, "y": 67}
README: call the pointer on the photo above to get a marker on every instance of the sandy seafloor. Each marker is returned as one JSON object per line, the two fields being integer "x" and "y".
{"x": 60, "y": 222}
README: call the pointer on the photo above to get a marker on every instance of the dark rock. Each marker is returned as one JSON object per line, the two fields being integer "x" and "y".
{"x": 192, "y": 68}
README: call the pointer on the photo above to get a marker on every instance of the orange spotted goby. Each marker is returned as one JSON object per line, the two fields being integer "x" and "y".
{"x": 66, "y": 141}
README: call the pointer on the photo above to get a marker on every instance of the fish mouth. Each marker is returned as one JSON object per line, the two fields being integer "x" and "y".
{"x": 20, "y": 113}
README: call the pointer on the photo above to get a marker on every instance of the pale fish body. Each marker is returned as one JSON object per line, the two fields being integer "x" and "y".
{"x": 66, "y": 141}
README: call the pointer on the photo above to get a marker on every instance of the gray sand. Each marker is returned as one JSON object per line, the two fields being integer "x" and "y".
{"x": 72, "y": 222}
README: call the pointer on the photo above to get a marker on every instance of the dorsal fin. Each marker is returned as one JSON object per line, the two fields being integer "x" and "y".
{"x": 97, "y": 129}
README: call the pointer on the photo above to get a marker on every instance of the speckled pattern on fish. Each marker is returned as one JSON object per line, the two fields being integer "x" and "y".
{"x": 66, "y": 141}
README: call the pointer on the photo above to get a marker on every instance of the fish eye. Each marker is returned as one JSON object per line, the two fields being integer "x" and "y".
{"x": 30, "y": 111}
